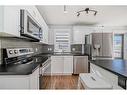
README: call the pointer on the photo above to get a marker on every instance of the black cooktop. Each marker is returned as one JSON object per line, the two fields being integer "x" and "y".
{"x": 23, "y": 69}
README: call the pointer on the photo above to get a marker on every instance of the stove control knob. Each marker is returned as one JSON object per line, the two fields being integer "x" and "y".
{"x": 10, "y": 52}
{"x": 15, "y": 51}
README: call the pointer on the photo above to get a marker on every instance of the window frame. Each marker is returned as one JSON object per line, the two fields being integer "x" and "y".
{"x": 69, "y": 40}
{"x": 122, "y": 49}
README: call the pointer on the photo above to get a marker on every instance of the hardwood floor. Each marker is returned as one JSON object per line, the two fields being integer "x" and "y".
{"x": 59, "y": 82}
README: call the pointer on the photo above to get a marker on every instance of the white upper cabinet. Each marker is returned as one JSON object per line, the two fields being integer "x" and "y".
{"x": 79, "y": 33}
{"x": 10, "y": 21}
{"x": 45, "y": 33}
{"x": 103, "y": 29}
{"x": 50, "y": 36}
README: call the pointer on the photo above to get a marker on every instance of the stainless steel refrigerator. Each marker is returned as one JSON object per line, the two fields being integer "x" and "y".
{"x": 102, "y": 45}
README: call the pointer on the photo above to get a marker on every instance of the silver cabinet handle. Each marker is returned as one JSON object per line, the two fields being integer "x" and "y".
{"x": 93, "y": 78}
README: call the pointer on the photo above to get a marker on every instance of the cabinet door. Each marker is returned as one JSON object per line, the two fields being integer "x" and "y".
{"x": 34, "y": 79}
{"x": 12, "y": 20}
{"x": 78, "y": 37}
{"x": 45, "y": 33}
{"x": 68, "y": 64}
{"x": 79, "y": 33}
{"x": 34, "y": 13}
{"x": 48, "y": 70}
{"x": 14, "y": 82}
{"x": 51, "y": 36}
{"x": 57, "y": 65}
{"x": 106, "y": 75}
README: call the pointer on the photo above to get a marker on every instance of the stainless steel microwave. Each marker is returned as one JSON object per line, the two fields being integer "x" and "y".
{"x": 29, "y": 27}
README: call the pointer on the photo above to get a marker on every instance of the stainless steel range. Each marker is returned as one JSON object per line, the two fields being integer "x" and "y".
{"x": 17, "y": 56}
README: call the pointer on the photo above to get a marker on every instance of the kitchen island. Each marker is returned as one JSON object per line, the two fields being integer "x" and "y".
{"x": 114, "y": 71}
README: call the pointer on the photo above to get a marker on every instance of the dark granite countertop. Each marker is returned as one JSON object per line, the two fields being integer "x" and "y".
{"x": 117, "y": 66}
{"x": 23, "y": 69}
{"x": 26, "y": 69}
{"x": 64, "y": 54}
{"x": 19, "y": 69}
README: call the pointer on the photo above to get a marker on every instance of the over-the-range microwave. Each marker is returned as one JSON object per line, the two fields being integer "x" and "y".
{"x": 29, "y": 27}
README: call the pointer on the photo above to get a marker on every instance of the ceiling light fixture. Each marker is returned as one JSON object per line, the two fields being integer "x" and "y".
{"x": 65, "y": 9}
{"x": 87, "y": 10}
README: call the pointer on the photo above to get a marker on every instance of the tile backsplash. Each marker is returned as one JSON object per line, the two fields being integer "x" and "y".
{"x": 0, "y": 51}
{"x": 21, "y": 43}
{"x": 76, "y": 48}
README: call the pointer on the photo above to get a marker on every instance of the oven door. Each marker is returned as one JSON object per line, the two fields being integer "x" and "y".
{"x": 45, "y": 73}
{"x": 46, "y": 68}
{"x": 29, "y": 26}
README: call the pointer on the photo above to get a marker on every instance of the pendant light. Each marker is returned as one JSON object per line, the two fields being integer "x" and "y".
{"x": 65, "y": 9}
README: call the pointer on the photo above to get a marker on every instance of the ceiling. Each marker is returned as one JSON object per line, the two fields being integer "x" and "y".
{"x": 107, "y": 15}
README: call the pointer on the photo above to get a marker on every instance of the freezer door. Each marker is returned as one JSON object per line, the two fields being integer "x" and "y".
{"x": 96, "y": 39}
{"x": 105, "y": 40}
{"x": 107, "y": 45}
{"x": 80, "y": 64}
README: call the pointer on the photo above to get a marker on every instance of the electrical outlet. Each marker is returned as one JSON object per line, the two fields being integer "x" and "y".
{"x": 73, "y": 49}
{"x": 50, "y": 49}
{"x": 36, "y": 49}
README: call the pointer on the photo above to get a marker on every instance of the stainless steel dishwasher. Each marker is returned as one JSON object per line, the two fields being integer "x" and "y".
{"x": 80, "y": 64}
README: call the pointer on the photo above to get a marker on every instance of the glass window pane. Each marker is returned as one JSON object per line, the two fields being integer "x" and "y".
{"x": 62, "y": 41}
{"x": 118, "y": 44}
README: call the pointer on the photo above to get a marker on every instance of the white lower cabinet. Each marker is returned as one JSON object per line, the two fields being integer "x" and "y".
{"x": 14, "y": 82}
{"x": 20, "y": 81}
{"x": 106, "y": 75}
{"x": 61, "y": 65}
{"x": 34, "y": 79}
{"x": 68, "y": 64}
{"x": 57, "y": 65}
